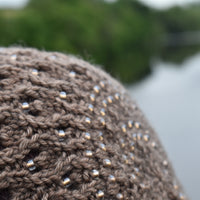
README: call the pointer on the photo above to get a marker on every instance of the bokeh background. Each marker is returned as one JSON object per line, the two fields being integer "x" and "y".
{"x": 152, "y": 46}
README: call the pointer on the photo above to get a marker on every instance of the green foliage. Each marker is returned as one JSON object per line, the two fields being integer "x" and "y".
{"x": 179, "y": 19}
{"x": 121, "y": 36}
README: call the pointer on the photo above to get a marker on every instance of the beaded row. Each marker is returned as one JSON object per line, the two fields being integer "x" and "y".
{"x": 106, "y": 162}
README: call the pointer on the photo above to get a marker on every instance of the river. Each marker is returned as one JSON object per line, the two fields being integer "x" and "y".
{"x": 170, "y": 98}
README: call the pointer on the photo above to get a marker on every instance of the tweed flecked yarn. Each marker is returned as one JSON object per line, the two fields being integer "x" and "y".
{"x": 68, "y": 131}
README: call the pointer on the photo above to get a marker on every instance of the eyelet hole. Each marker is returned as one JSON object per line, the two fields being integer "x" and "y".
{"x": 5, "y": 194}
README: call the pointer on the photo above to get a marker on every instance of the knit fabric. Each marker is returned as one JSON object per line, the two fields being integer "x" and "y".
{"x": 70, "y": 131}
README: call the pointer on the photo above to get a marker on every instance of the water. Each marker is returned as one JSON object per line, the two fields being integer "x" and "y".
{"x": 170, "y": 98}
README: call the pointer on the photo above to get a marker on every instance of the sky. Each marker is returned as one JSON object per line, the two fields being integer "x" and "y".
{"x": 12, "y": 3}
{"x": 160, "y": 4}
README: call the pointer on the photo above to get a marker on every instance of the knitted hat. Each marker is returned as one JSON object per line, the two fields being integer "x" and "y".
{"x": 70, "y": 131}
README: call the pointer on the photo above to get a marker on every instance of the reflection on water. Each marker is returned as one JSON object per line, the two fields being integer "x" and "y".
{"x": 170, "y": 98}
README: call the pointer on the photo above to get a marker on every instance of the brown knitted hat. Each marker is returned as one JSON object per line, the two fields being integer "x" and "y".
{"x": 70, "y": 131}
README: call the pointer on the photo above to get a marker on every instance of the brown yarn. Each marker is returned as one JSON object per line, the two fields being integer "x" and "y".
{"x": 70, "y": 131}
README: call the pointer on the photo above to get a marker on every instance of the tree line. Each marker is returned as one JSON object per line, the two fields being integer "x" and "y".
{"x": 122, "y": 36}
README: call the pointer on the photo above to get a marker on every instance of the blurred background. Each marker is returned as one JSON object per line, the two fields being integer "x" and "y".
{"x": 152, "y": 46}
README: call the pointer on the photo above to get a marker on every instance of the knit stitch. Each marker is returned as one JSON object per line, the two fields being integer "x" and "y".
{"x": 70, "y": 131}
